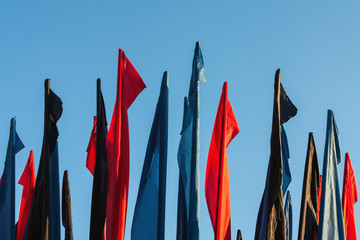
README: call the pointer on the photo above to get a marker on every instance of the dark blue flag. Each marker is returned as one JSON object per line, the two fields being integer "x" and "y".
{"x": 54, "y": 196}
{"x": 288, "y": 215}
{"x": 149, "y": 216}
{"x": 286, "y": 160}
{"x": 7, "y": 186}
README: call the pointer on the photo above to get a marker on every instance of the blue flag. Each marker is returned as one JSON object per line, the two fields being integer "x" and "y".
{"x": 286, "y": 160}
{"x": 7, "y": 186}
{"x": 188, "y": 216}
{"x": 288, "y": 215}
{"x": 149, "y": 216}
{"x": 54, "y": 195}
{"x": 331, "y": 225}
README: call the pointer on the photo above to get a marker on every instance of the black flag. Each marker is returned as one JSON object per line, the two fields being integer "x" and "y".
{"x": 66, "y": 207}
{"x": 238, "y": 237}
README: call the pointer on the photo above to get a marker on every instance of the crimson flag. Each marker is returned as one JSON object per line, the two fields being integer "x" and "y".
{"x": 91, "y": 156}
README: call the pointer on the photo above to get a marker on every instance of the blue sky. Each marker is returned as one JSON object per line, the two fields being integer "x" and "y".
{"x": 315, "y": 44}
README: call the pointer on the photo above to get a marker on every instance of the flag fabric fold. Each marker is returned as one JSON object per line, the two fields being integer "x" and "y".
{"x": 331, "y": 224}
{"x": 286, "y": 160}
{"x": 288, "y": 215}
{"x": 271, "y": 218}
{"x": 7, "y": 186}
{"x": 309, "y": 211}
{"x": 129, "y": 85}
{"x": 40, "y": 224}
{"x": 149, "y": 216}
{"x": 100, "y": 182}
{"x": 217, "y": 185}
{"x": 27, "y": 180}
{"x": 188, "y": 213}
{"x": 91, "y": 156}
{"x": 349, "y": 198}
{"x": 66, "y": 207}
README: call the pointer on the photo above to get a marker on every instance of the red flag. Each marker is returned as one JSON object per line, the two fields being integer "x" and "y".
{"x": 319, "y": 194}
{"x": 129, "y": 85}
{"x": 27, "y": 180}
{"x": 349, "y": 198}
{"x": 91, "y": 156}
{"x": 217, "y": 186}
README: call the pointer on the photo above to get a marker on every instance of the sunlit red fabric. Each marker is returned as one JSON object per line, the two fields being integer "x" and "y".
{"x": 319, "y": 195}
{"x": 349, "y": 198}
{"x": 27, "y": 180}
{"x": 129, "y": 85}
{"x": 217, "y": 186}
{"x": 90, "y": 159}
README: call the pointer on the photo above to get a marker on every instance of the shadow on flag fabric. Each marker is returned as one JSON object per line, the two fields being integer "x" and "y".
{"x": 286, "y": 160}
{"x": 288, "y": 215}
{"x": 331, "y": 224}
{"x": 40, "y": 223}
{"x": 309, "y": 211}
{"x": 27, "y": 180}
{"x": 149, "y": 216}
{"x": 100, "y": 182}
{"x": 271, "y": 218}
{"x": 129, "y": 85}
{"x": 217, "y": 185}
{"x": 66, "y": 207}
{"x": 349, "y": 198}
{"x": 7, "y": 186}
{"x": 188, "y": 212}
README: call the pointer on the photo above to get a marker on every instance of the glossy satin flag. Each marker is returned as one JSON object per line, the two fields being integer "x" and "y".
{"x": 286, "y": 160}
{"x": 40, "y": 225}
{"x": 349, "y": 198}
{"x": 288, "y": 215}
{"x": 188, "y": 213}
{"x": 100, "y": 182}
{"x": 217, "y": 185}
{"x": 7, "y": 186}
{"x": 331, "y": 223}
{"x": 149, "y": 216}
{"x": 66, "y": 207}
{"x": 129, "y": 85}
{"x": 27, "y": 180}
{"x": 309, "y": 211}
{"x": 271, "y": 218}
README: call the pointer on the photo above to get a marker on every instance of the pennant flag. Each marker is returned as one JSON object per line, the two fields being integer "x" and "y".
{"x": 217, "y": 185}
{"x": 129, "y": 85}
{"x": 286, "y": 160}
{"x": 271, "y": 218}
{"x": 309, "y": 211}
{"x": 188, "y": 215}
{"x": 331, "y": 225}
{"x": 27, "y": 180}
{"x": 7, "y": 186}
{"x": 66, "y": 207}
{"x": 149, "y": 216}
{"x": 100, "y": 183}
{"x": 91, "y": 156}
{"x": 40, "y": 223}
{"x": 349, "y": 198}
{"x": 239, "y": 236}
{"x": 288, "y": 215}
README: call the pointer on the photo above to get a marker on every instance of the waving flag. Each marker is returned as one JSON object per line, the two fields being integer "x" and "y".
{"x": 66, "y": 207}
{"x": 288, "y": 215}
{"x": 217, "y": 185}
{"x": 188, "y": 215}
{"x": 7, "y": 186}
{"x": 286, "y": 160}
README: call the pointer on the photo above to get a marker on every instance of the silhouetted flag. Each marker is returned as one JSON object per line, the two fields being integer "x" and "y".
{"x": 129, "y": 85}
{"x": 54, "y": 196}
{"x": 331, "y": 225}
{"x": 27, "y": 180}
{"x": 349, "y": 198}
{"x": 188, "y": 215}
{"x": 7, "y": 186}
{"x": 38, "y": 225}
{"x": 271, "y": 219}
{"x": 288, "y": 215}
{"x": 309, "y": 211}
{"x": 66, "y": 207}
{"x": 217, "y": 185}
{"x": 149, "y": 216}
{"x": 286, "y": 160}
{"x": 100, "y": 183}
{"x": 238, "y": 236}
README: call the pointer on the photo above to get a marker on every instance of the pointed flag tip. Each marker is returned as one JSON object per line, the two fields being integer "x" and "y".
{"x": 198, "y": 43}
{"x": 165, "y": 80}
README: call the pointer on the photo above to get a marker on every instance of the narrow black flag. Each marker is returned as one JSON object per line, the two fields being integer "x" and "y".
{"x": 66, "y": 207}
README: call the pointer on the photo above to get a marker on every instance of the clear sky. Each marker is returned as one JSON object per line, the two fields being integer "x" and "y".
{"x": 316, "y": 45}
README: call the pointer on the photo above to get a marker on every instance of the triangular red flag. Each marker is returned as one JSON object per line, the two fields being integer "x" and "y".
{"x": 349, "y": 198}
{"x": 129, "y": 85}
{"x": 27, "y": 180}
{"x": 91, "y": 156}
{"x": 217, "y": 185}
